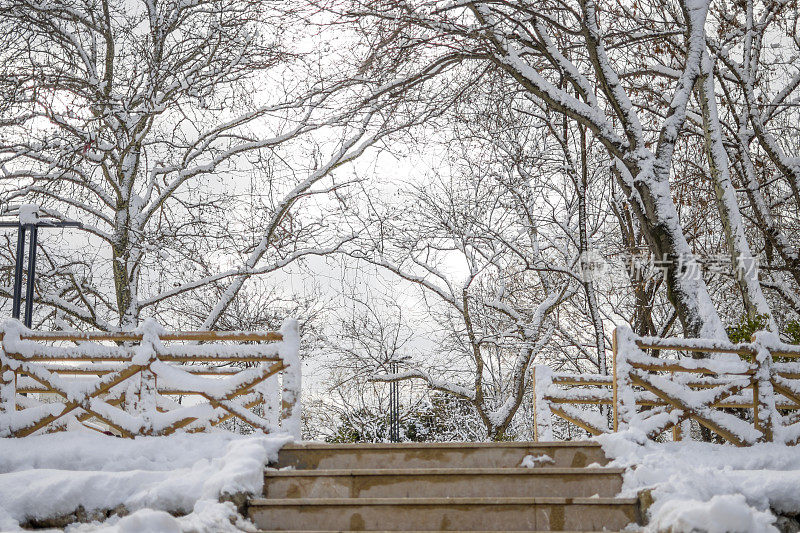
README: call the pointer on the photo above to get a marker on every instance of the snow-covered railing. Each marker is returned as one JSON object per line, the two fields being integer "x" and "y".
{"x": 746, "y": 393}
{"x": 148, "y": 382}
{"x": 567, "y": 396}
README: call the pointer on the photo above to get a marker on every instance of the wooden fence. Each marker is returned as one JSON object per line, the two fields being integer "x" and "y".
{"x": 149, "y": 382}
{"x": 745, "y": 393}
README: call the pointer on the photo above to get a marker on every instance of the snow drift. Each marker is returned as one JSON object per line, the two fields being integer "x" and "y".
{"x": 52, "y": 475}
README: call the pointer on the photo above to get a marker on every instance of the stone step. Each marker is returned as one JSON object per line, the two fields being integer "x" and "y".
{"x": 437, "y": 455}
{"x": 444, "y": 514}
{"x": 443, "y": 482}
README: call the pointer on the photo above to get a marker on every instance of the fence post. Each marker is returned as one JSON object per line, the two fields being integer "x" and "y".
{"x": 142, "y": 397}
{"x": 614, "y": 385}
{"x": 8, "y": 384}
{"x": 270, "y": 398}
{"x": 289, "y": 351}
{"x": 147, "y": 400}
{"x": 542, "y": 378}
{"x": 8, "y": 388}
{"x": 622, "y": 392}
{"x": 756, "y": 418}
{"x": 765, "y": 414}
{"x": 677, "y": 433}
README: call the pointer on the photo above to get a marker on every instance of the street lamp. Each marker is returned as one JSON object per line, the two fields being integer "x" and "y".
{"x": 29, "y": 221}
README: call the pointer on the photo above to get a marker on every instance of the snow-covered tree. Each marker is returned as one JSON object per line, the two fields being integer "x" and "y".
{"x": 753, "y": 74}
{"x": 577, "y": 57}
{"x": 628, "y": 103}
{"x": 190, "y": 138}
{"x": 490, "y": 282}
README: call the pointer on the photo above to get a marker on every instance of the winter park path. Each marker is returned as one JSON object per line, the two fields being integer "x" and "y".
{"x": 179, "y": 395}
{"x": 190, "y": 482}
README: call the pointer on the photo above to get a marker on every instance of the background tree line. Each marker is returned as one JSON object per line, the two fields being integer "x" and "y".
{"x": 469, "y": 188}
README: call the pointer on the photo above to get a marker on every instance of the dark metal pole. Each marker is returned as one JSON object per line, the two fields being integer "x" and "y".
{"x": 397, "y": 400}
{"x": 17, "y": 301}
{"x": 394, "y": 406}
{"x": 31, "y": 276}
{"x": 21, "y": 230}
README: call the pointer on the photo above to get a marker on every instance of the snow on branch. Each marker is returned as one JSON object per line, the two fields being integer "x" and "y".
{"x": 436, "y": 384}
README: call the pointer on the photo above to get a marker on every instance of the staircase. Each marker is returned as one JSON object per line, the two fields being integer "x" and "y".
{"x": 442, "y": 487}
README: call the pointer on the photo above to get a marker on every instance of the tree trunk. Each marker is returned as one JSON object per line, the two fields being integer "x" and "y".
{"x": 125, "y": 277}
{"x": 583, "y": 237}
{"x": 744, "y": 264}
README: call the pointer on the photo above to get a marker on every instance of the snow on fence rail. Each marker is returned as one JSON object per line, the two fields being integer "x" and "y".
{"x": 746, "y": 393}
{"x": 148, "y": 382}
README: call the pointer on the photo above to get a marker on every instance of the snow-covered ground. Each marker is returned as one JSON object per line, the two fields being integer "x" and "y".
{"x": 709, "y": 487}
{"x": 695, "y": 486}
{"x": 52, "y": 475}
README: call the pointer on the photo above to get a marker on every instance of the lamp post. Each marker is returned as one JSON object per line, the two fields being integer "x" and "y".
{"x": 29, "y": 222}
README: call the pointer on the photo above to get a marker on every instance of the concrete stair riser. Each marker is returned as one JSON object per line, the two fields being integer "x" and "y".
{"x": 552, "y": 514}
{"x": 432, "y": 483}
{"x": 439, "y": 455}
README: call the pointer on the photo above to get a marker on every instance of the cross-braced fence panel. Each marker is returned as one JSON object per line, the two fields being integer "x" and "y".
{"x": 148, "y": 382}
{"x": 745, "y": 393}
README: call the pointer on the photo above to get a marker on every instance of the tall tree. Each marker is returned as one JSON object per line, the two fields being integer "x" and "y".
{"x": 575, "y": 57}
{"x": 149, "y": 121}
